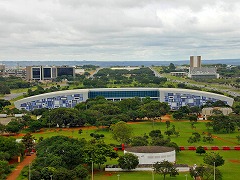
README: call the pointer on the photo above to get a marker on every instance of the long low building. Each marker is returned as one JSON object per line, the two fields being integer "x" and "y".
{"x": 173, "y": 96}
{"x": 152, "y": 154}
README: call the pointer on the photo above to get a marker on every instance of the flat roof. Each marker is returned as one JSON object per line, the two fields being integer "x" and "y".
{"x": 150, "y": 149}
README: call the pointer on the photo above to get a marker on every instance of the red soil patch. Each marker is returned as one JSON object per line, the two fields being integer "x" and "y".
{"x": 108, "y": 174}
{"x": 15, "y": 173}
{"x": 235, "y": 161}
{"x": 221, "y": 139}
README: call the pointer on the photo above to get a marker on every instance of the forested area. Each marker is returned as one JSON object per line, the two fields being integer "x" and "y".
{"x": 68, "y": 158}
{"x": 124, "y": 78}
{"x": 8, "y": 83}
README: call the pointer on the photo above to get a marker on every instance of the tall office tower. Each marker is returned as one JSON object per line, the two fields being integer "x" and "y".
{"x": 2, "y": 69}
{"x": 195, "y": 61}
{"x": 33, "y": 73}
{"x": 48, "y": 72}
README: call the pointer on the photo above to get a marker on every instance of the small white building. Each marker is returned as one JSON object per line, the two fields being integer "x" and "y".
{"x": 152, "y": 154}
{"x": 18, "y": 115}
{"x": 3, "y": 115}
{"x": 210, "y": 111}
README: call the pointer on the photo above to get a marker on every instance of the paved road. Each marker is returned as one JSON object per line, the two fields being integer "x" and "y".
{"x": 12, "y": 96}
{"x": 5, "y": 121}
{"x": 157, "y": 74}
{"x": 207, "y": 86}
{"x": 16, "y": 172}
{"x": 91, "y": 76}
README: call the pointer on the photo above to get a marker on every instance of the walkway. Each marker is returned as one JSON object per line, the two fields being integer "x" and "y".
{"x": 16, "y": 172}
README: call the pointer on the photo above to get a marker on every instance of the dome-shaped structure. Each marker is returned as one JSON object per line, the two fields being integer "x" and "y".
{"x": 152, "y": 154}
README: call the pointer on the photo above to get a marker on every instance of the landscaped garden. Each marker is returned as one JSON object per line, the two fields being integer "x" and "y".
{"x": 229, "y": 169}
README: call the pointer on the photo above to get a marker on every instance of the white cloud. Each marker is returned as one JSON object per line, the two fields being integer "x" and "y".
{"x": 118, "y": 30}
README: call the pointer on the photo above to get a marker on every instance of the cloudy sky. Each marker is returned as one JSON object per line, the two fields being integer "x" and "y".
{"x": 119, "y": 29}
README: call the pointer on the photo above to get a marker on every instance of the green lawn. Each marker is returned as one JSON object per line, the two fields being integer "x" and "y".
{"x": 141, "y": 128}
{"x": 230, "y": 169}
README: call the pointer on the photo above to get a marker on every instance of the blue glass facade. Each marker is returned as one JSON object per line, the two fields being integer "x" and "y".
{"x": 70, "y": 98}
{"x": 176, "y": 100}
{"x": 54, "y": 102}
{"x": 123, "y": 94}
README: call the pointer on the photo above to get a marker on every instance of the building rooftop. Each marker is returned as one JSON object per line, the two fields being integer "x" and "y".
{"x": 203, "y": 70}
{"x": 149, "y": 149}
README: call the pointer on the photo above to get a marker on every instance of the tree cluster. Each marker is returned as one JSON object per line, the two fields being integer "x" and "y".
{"x": 9, "y": 149}
{"x": 101, "y": 112}
{"x": 8, "y": 83}
{"x": 164, "y": 168}
{"x": 138, "y": 77}
{"x": 63, "y": 158}
{"x": 224, "y": 124}
{"x": 196, "y": 137}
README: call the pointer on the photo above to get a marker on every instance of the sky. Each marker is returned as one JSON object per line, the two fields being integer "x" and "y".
{"x": 116, "y": 30}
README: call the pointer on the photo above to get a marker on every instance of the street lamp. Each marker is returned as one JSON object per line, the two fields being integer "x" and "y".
{"x": 29, "y": 173}
{"x": 152, "y": 173}
{"x": 186, "y": 176}
{"x": 229, "y": 128}
{"x": 214, "y": 173}
{"x": 92, "y": 169}
{"x": 118, "y": 176}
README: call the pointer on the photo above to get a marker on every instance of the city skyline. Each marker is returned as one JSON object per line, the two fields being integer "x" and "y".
{"x": 119, "y": 30}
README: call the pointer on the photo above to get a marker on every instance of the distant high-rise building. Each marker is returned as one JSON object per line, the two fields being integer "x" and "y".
{"x": 2, "y": 69}
{"x": 47, "y": 72}
{"x": 198, "y": 72}
{"x": 195, "y": 61}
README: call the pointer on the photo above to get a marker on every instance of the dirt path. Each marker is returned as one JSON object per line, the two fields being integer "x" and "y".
{"x": 16, "y": 172}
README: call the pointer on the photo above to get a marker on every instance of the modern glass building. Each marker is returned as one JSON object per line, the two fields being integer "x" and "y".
{"x": 175, "y": 98}
{"x": 48, "y": 72}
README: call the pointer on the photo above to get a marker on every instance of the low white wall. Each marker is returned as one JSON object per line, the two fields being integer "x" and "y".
{"x": 180, "y": 169}
{"x": 151, "y": 158}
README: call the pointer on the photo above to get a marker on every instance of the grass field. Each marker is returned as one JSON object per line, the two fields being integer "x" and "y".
{"x": 230, "y": 169}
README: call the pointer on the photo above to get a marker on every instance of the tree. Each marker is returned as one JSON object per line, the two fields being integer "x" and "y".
{"x": 238, "y": 138}
{"x": 64, "y": 116}
{"x": 97, "y": 152}
{"x": 80, "y": 131}
{"x": 14, "y": 126}
{"x": 196, "y": 137}
{"x": 211, "y": 158}
{"x": 81, "y": 172}
{"x": 35, "y": 125}
{"x": 192, "y": 117}
{"x": 4, "y": 103}
{"x": 121, "y": 132}
{"x": 171, "y": 67}
{"x": 208, "y": 138}
{"x": 4, "y": 169}
{"x": 128, "y": 161}
{"x": 4, "y": 89}
{"x": 178, "y": 115}
{"x": 167, "y": 124}
{"x": 28, "y": 141}
{"x": 221, "y": 123}
{"x": 155, "y": 109}
{"x": 60, "y": 151}
{"x": 208, "y": 125}
{"x": 195, "y": 110}
{"x": 139, "y": 141}
{"x": 205, "y": 172}
{"x": 200, "y": 150}
{"x": 168, "y": 133}
{"x": 165, "y": 168}
{"x": 184, "y": 109}
{"x": 155, "y": 134}
{"x": 11, "y": 147}
{"x": 2, "y": 128}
